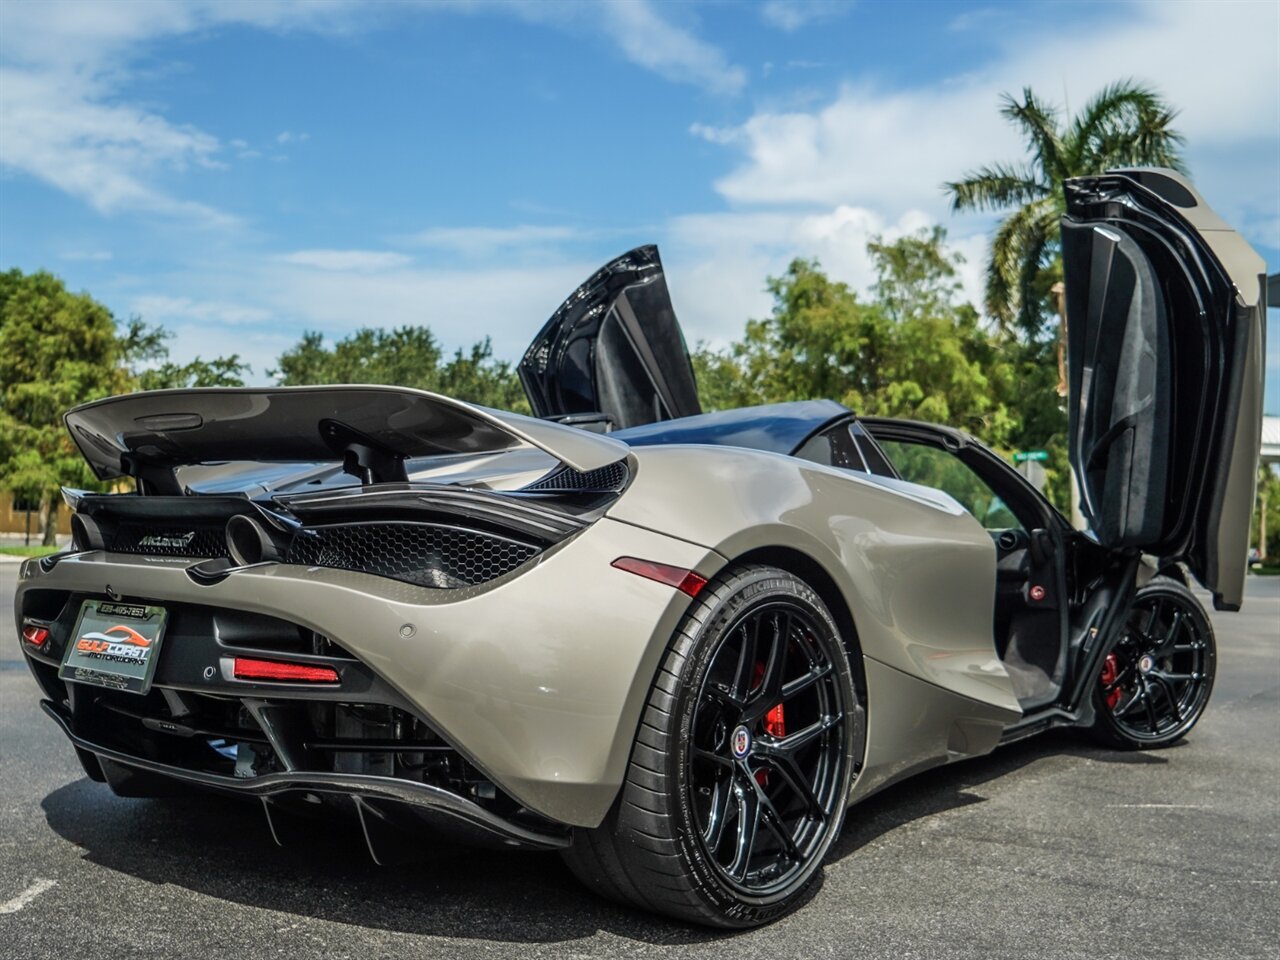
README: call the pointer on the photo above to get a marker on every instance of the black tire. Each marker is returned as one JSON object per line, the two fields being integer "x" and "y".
{"x": 1155, "y": 684}
{"x": 688, "y": 791}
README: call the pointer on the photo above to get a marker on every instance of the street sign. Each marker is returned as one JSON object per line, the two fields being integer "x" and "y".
{"x": 1034, "y": 472}
{"x": 1022, "y": 456}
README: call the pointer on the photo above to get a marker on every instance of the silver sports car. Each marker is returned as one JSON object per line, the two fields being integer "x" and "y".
{"x": 674, "y": 646}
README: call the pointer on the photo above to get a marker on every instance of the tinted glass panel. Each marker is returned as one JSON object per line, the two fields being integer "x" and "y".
{"x": 874, "y": 457}
{"x": 933, "y": 467}
{"x": 833, "y": 447}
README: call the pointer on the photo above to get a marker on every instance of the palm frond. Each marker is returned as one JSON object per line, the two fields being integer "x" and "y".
{"x": 1126, "y": 123}
{"x": 1148, "y": 142}
{"x": 995, "y": 187}
{"x": 1039, "y": 121}
{"x": 1016, "y": 257}
{"x": 1041, "y": 234}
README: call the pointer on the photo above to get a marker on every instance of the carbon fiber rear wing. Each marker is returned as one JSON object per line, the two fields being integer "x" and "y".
{"x": 370, "y": 430}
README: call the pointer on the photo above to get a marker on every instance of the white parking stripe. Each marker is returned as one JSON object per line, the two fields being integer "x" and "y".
{"x": 1160, "y": 806}
{"x": 26, "y": 896}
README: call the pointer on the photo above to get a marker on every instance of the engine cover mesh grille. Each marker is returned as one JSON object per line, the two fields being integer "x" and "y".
{"x": 427, "y": 554}
{"x": 609, "y": 478}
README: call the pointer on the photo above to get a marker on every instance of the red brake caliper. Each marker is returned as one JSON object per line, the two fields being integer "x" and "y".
{"x": 1111, "y": 670}
{"x": 775, "y": 724}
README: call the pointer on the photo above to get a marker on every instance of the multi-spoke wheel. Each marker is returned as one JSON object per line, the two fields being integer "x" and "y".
{"x": 1156, "y": 682}
{"x": 743, "y": 763}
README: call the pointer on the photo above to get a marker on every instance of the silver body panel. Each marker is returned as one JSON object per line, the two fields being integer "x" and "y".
{"x": 916, "y": 570}
{"x": 539, "y": 677}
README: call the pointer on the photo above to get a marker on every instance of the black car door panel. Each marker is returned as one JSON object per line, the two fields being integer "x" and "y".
{"x": 1165, "y": 313}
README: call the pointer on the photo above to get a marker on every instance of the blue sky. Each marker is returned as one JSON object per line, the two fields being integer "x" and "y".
{"x": 242, "y": 172}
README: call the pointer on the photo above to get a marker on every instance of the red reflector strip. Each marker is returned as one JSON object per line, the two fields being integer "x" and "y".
{"x": 686, "y": 581}
{"x": 35, "y": 635}
{"x": 247, "y": 668}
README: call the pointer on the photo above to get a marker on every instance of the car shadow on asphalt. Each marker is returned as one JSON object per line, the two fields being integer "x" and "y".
{"x": 223, "y": 848}
{"x": 952, "y": 787}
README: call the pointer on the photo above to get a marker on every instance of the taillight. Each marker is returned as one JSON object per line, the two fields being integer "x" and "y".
{"x": 248, "y": 668}
{"x": 34, "y": 635}
{"x": 686, "y": 581}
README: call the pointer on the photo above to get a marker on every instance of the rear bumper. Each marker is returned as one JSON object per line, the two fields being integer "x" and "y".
{"x": 438, "y": 809}
{"x": 538, "y": 679}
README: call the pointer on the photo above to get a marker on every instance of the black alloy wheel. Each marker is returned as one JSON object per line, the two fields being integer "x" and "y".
{"x": 767, "y": 750}
{"x": 1155, "y": 684}
{"x": 743, "y": 763}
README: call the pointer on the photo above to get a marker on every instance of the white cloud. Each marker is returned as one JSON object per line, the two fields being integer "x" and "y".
{"x": 278, "y": 299}
{"x": 792, "y": 15}
{"x": 640, "y": 30}
{"x": 61, "y": 130}
{"x": 717, "y": 263}
{"x": 509, "y": 304}
{"x": 73, "y": 33}
{"x": 720, "y": 135}
{"x": 893, "y": 150}
{"x": 485, "y": 241}
{"x": 64, "y": 122}
{"x": 86, "y": 256}
{"x": 336, "y": 292}
{"x": 354, "y": 261}
{"x": 653, "y": 42}
{"x": 973, "y": 19}
{"x": 172, "y": 312}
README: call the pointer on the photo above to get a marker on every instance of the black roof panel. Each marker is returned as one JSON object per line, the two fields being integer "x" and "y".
{"x": 774, "y": 427}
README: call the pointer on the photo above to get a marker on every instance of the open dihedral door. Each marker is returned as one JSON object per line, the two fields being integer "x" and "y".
{"x": 1166, "y": 313}
{"x": 613, "y": 350}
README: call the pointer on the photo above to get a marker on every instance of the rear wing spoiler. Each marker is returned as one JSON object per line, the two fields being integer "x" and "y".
{"x": 370, "y": 430}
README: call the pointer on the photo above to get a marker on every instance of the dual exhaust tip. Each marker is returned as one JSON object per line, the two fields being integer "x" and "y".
{"x": 248, "y": 542}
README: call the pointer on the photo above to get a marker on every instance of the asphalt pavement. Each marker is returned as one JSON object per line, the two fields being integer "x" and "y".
{"x": 1049, "y": 848}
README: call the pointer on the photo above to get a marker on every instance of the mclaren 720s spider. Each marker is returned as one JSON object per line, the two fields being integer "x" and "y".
{"x": 674, "y": 646}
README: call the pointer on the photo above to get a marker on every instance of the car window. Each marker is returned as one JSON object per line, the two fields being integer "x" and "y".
{"x": 833, "y": 447}
{"x": 874, "y": 457}
{"x": 934, "y": 467}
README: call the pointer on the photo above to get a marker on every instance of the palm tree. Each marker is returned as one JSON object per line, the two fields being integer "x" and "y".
{"x": 1125, "y": 124}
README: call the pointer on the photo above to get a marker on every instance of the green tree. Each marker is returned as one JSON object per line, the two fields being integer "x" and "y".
{"x": 913, "y": 349}
{"x": 408, "y": 357}
{"x": 58, "y": 350}
{"x": 218, "y": 372}
{"x": 476, "y": 377}
{"x": 1266, "y": 516}
{"x": 722, "y": 384}
{"x": 1125, "y": 124}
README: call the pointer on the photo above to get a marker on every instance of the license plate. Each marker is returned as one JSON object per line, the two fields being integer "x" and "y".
{"x": 114, "y": 645}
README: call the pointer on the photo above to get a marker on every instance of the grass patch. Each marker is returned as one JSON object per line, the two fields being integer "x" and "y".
{"x": 21, "y": 551}
{"x": 1266, "y": 570}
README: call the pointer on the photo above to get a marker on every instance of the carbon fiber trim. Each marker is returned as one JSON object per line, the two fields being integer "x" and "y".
{"x": 168, "y": 540}
{"x": 427, "y": 554}
{"x": 605, "y": 479}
